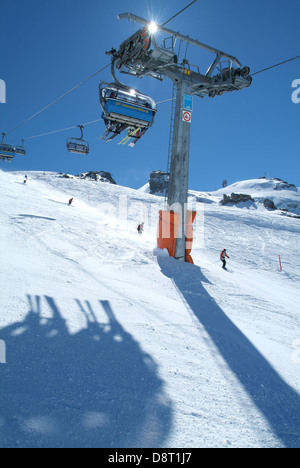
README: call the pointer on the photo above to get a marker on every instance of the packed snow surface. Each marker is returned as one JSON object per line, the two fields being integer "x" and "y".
{"x": 111, "y": 343}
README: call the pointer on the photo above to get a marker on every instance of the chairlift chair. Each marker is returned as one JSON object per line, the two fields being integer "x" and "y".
{"x": 78, "y": 145}
{"x": 20, "y": 149}
{"x": 7, "y": 152}
{"x": 124, "y": 108}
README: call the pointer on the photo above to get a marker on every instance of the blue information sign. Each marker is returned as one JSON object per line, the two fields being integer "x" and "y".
{"x": 188, "y": 102}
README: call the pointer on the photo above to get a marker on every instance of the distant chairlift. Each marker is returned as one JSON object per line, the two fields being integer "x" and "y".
{"x": 78, "y": 145}
{"x": 20, "y": 149}
{"x": 125, "y": 109}
{"x": 7, "y": 152}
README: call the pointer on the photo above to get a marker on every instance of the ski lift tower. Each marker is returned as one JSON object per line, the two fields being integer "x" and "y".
{"x": 140, "y": 55}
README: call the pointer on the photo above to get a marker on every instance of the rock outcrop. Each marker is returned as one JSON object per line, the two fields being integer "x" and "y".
{"x": 96, "y": 176}
{"x": 236, "y": 198}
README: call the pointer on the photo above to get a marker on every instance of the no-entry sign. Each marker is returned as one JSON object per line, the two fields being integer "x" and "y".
{"x": 187, "y": 116}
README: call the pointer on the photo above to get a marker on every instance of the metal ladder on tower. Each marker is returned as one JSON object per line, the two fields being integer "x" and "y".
{"x": 170, "y": 148}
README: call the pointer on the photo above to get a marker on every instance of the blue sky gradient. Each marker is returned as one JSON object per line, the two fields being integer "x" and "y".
{"x": 46, "y": 48}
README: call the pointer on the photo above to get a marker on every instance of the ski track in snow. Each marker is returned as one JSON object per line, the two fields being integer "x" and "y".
{"x": 111, "y": 343}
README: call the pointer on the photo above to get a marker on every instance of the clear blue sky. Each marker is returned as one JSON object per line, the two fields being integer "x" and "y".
{"x": 47, "y": 48}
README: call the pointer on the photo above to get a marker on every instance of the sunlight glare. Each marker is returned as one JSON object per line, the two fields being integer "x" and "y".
{"x": 153, "y": 27}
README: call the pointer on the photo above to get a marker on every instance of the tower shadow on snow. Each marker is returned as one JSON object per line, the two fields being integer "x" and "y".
{"x": 273, "y": 397}
{"x": 92, "y": 388}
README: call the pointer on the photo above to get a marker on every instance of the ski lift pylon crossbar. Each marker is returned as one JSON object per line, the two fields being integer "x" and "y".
{"x": 195, "y": 42}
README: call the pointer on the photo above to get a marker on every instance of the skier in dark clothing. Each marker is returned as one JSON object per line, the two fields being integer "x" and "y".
{"x": 223, "y": 257}
{"x": 140, "y": 228}
{"x": 70, "y": 201}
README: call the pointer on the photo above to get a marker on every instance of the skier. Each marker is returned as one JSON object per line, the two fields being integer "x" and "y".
{"x": 223, "y": 256}
{"x": 140, "y": 228}
{"x": 25, "y": 180}
{"x": 70, "y": 201}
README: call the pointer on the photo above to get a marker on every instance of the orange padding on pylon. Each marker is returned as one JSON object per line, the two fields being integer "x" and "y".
{"x": 191, "y": 215}
{"x": 168, "y": 227}
{"x": 167, "y": 231}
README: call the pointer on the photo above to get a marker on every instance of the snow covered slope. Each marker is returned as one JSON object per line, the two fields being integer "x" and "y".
{"x": 111, "y": 343}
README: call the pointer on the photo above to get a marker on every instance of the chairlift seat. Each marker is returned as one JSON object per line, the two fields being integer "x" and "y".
{"x": 21, "y": 150}
{"x": 121, "y": 105}
{"x": 78, "y": 146}
{"x": 7, "y": 151}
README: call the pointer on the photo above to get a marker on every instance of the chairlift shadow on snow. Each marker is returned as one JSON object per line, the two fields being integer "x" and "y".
{"x": 278, "y": 402}
{"x": 92, "y": 388}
